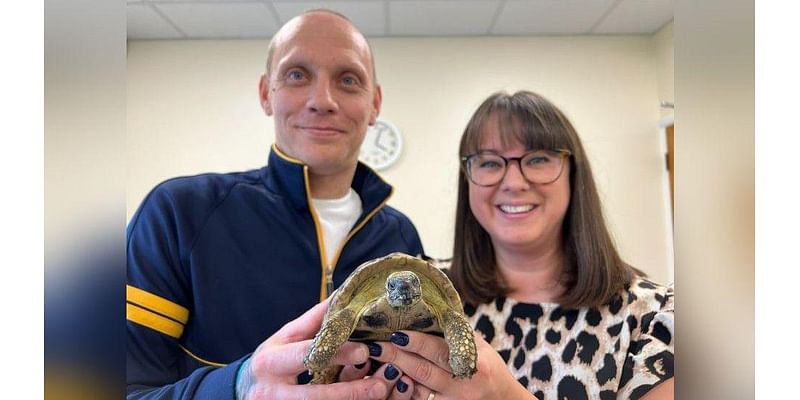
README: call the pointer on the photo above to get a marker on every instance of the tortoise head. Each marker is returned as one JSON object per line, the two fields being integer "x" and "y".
{"x": 403, "y": 289}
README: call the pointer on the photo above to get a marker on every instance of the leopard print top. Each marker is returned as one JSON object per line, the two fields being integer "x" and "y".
{"x": 617, "y": 351}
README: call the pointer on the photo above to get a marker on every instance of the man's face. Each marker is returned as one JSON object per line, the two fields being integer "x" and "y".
{"x": 321, "y": 93}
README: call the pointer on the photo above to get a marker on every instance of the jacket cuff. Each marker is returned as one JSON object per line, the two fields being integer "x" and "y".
{"x": 220, "y": 383}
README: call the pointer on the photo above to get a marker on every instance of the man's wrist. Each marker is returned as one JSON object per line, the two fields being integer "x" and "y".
{"x": 243, "y": 380}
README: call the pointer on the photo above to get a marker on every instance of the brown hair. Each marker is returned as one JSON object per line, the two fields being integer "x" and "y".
{"x": 594, "y": 271}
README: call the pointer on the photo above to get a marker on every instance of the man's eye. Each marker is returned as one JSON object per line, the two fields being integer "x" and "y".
{"x": 295, "y": 75}
{"x": 349, "y": 81}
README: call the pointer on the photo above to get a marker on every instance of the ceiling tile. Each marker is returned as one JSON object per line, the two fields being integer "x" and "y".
{"x": 221, "y": 20}
{"x": 261, "y": 18}
{"x": 562, "y": 17}
{"x": 368, "y": 16}
{"x": 637, "y": 16}
{"x": 207, "y": 1}
{"x": 145, "y": 23}
{"x": 468, "y": 17}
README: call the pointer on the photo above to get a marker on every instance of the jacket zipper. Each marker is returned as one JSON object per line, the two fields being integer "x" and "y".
{"x": 327, "y": 277}
{"x": 329, "y": 280}
{"x": 326, "y": 286}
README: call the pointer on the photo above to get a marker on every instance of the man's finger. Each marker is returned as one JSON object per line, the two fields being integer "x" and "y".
{"x": 360, "y": 389}
{"x": 303, "y": 327}
{"x": 351, "y": 353}
{"x": 287, "y": 360}
{"x": 353, "y": 372}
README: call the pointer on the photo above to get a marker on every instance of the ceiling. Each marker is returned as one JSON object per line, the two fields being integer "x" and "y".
{"x": 232, "y": 19}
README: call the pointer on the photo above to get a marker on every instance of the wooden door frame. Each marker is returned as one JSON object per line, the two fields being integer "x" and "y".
{"x": 663, "y": 124}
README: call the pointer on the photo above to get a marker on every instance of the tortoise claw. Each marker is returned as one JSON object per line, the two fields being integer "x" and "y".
{"x": 461, "y": 341}
{"x": 325, "y": 345}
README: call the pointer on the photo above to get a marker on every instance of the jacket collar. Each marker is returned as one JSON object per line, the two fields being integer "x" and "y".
{"x": 288, "y": 177}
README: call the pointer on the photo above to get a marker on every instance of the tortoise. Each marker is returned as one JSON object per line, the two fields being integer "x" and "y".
{"x": 388, "y": 294}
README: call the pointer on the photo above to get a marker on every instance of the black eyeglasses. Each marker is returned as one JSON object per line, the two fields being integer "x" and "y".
{"x": 537, "y": 166}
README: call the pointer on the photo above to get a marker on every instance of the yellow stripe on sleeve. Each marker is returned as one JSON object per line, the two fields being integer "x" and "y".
{"x": 157, "y": 304}
{"x": 153, "y": 321}
{"x": 204, "y": 361}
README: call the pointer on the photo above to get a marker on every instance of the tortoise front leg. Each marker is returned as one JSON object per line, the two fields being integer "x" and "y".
{"x": 334, "y": 332}
{"x": 463, "y": 353}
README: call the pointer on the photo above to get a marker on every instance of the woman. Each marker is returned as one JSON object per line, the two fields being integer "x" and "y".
{"x": 562, "y": 315}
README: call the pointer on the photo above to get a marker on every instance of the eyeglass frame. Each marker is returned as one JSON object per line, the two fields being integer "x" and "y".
{"x": 563, "y": 154}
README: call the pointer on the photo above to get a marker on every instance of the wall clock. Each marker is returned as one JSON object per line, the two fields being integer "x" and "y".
{"x": 382, "y": 145}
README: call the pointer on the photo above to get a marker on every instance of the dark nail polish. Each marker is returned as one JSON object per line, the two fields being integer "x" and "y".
{"x": 402, "y": 386}
{"x": 399, "y": 338}
{"x": 374, "y": 365}
{"x": 390, "y": 372}
{"x": 374, "y": 349}
{"x": 359, "y": 366}
{"x": 304, "y": 377}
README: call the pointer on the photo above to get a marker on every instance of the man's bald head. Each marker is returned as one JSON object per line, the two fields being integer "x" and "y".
{"x": 315, "y": 16}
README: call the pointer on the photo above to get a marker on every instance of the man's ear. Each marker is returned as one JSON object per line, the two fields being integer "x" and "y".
{"x": 263, "y": 94}
{"x": 377, "y": 99}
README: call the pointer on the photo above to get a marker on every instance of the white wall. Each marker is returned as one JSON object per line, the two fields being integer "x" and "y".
{"x": 665, "y": 66}
{"x": 665, "y": 71}
{"x": 192, "y": 107}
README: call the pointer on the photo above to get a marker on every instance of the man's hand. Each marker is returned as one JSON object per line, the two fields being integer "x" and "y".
{"x": 271, "y": 372}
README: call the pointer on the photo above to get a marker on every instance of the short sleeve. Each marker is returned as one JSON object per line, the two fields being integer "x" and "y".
{"x": 650, "y": 359}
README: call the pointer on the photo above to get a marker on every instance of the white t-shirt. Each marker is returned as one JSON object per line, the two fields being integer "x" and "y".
{"x": 337, "y": 217}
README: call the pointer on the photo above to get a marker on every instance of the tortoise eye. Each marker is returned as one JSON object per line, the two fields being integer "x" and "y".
{"x": 392, "y": 285}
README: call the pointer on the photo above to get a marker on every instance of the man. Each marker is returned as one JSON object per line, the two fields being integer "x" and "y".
{"x": 219, "y": 262}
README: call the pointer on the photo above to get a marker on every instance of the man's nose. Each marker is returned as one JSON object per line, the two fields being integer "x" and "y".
{"x": 322, "y": 99}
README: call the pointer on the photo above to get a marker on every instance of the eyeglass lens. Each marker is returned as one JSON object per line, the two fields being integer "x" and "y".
{"x": 541, "y": 166}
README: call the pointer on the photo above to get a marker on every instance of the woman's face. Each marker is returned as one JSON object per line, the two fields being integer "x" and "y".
{"x": 517, "y": 214}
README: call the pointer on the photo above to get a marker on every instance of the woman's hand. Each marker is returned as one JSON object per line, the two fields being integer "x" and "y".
{"x": 424, "y": 359}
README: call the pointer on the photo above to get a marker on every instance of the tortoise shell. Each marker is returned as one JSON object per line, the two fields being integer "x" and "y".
{"x": 388, "y": 294}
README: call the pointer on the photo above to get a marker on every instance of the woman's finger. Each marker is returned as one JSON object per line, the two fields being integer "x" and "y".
{"x": 419, "y": 369}
{"x": 421, "y": 392}
{"x": 403, "y": 389}
{"x": 430, "y": 347}
{"x": 388, "y": 375}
